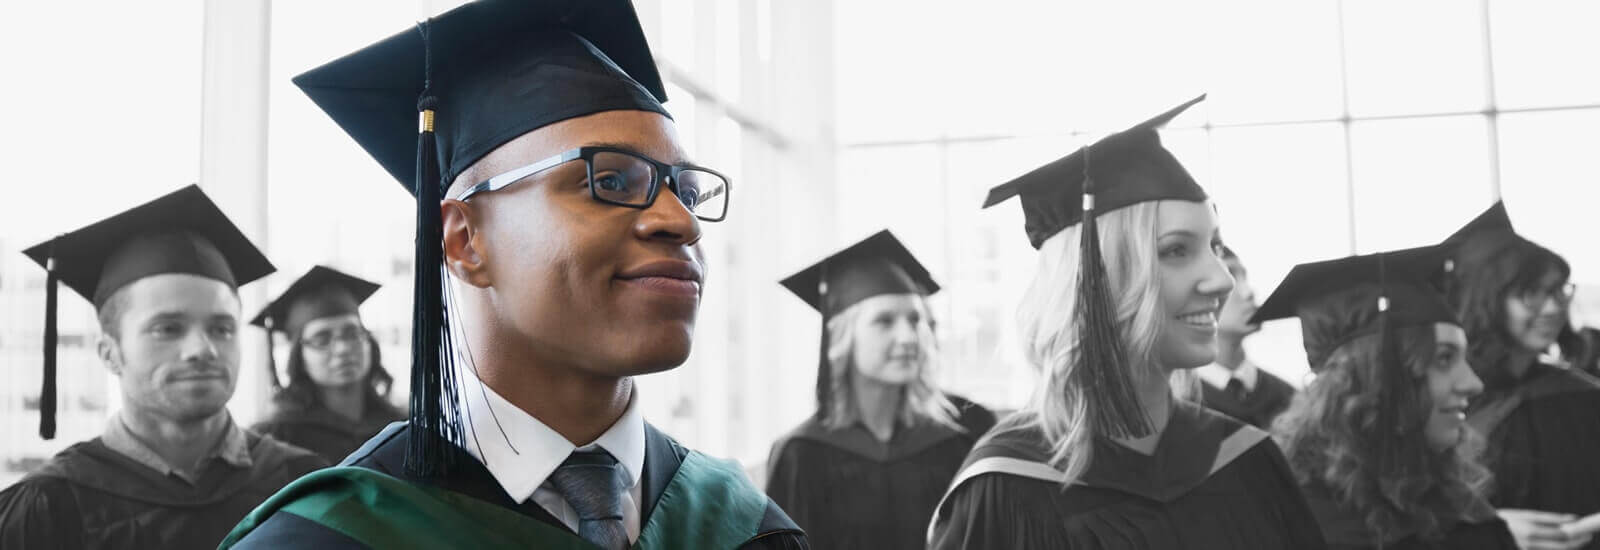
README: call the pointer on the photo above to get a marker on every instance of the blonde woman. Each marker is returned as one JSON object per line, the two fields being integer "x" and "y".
{"x": 868, "y": 468}
{"x": 1104, "y": 455}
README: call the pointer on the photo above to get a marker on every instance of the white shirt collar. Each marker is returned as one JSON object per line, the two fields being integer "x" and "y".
{"x": 538, "y": 449}
{"x": 1217, "y": 376}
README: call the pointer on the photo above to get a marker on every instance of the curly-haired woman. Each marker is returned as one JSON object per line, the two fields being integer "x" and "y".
{"x": 1379, "y": 439}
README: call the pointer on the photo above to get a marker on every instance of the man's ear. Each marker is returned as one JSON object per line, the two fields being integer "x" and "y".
{"x": 462, "y": 256}
{"x": 110, "y": 353}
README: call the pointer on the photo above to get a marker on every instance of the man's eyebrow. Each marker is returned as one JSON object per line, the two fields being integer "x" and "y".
{"x": 634, "y": 148}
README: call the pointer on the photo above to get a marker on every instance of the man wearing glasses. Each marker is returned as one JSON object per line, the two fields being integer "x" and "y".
{"x": 553, "y": 190}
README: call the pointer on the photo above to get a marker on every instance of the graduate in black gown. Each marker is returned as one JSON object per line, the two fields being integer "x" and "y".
{"x": 1542, "y": 421}
{"x": 1234, "y": 385}
{"x": 1126, "y": 298}
{"x": 866, "y": 470}
{"x": 338, "y": 390}
{"x": 1379, "y": 440}
{"x": 171, "y": 469}
{"x": 558, "y": 256}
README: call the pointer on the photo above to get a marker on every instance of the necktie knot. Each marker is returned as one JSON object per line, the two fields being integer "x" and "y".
{"x": 592, "y": 482}
{"x": 1236, "y": 388}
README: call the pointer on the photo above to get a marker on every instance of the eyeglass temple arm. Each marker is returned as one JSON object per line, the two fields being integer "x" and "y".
{"x": 499, "y": 182}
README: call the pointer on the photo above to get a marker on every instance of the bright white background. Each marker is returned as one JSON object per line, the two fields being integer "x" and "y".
{"x": 1332, "y": 127}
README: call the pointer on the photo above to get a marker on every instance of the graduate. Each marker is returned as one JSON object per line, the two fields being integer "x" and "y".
{"x": 337, "y": 396}
{"x": 1129, "y": 287}
{"x": 1234, "y": 385}
{"x": 171, "y": 469}
{"x": 868, "y": 468}
{"x": 560, "y": 217}
{"x": 1379, "y": 440}
{"x": 1542, "y": 421}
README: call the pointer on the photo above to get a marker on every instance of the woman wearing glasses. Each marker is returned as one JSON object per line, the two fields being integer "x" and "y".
{"x": 866, "y": 470}
{"x": 1542, "y": 421}
{"x": 337, "y": 390}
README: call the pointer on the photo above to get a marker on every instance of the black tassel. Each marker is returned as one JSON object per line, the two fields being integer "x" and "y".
{"x": 1102, "y": 369}
{"x": 824, "y": 371}
{"x": 272, "y": 360}
{"x": 1393, "y": 376}
{"x": 824, "y": 376}
{"x": 435, "y": 419}
{"x": 47, "y": 390}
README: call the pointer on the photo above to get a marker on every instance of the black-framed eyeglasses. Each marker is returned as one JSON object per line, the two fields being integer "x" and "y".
{"x": 625, "y": 178}
{"x": 324, "y": 340}
{"x": 1536, "y": 298}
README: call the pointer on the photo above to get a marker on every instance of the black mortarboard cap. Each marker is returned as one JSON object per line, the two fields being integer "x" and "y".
{"x": 182, "y": 232}
{"x": 1120, "y": 170}
{"x": 875, "y": 266}
{"x": 1492, "y": 220}
{"x": 1405, "y": 280}
{"x": 1339, "y": 301}
{"x": 321, "y": 292}
{"x": 497, "y": 69}
{"x": 1125, "y": 168}
{"x": 427, "y": 103}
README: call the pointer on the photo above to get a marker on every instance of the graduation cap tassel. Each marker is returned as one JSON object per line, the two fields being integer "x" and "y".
{"x": 47, "y": 390}
{"x": 434, "y": 422}
{"x": 272, "y": 359}
{"x": 1392, "y": 376}
{"x": 824, "y": 372}
{"x": 1102, "y": 368}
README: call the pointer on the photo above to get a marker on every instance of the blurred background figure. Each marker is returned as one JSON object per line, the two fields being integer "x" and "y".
{"x": 1542, "y": 421}
{"x": 338, "y": 390}
{"x": 868, "y": 468}
{"x": 1379, "y": 440}
{"x": 171, "y": 469}
{"x": 1233, "y": 385}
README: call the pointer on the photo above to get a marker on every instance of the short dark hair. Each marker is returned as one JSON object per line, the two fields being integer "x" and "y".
{"x": 110, "y": 313}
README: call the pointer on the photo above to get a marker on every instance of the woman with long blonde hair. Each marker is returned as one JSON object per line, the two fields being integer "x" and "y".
{"x": 1126, "y": 299}
{"x": 868, "y": 468}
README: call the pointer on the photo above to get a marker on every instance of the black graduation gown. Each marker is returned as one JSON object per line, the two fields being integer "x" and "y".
{"x": 849, "y": 491}
{"x": 89, "y": 496}
{"x": 1212, "y": 482}
{"x": 386, "y": 453}
{"x": 1544, "y": 442}
{"x": 1270, "y": 398}
{"x": 323, "y": 431}
{"x": 1345, "y": 530}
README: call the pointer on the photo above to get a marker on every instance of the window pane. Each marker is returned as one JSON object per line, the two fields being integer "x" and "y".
{"x": 1415, "y": 57}
{"x": 1546, "y": 53}
{"x": 1551, "y": 182}
{"x": 1281, "y": 198}
{"x": 103, "y": 107}
{"x": 1417, "y": 179}
{"x": 1274, "y": 61}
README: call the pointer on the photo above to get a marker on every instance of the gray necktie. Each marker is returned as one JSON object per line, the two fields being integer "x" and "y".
{"x": 593, "y": 482}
